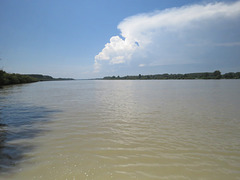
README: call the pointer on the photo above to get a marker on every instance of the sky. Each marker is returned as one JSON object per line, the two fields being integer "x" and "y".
{"x": 96, "y": 38}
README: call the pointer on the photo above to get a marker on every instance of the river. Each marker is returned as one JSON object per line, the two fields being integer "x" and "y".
{"x": 132, "y": 129}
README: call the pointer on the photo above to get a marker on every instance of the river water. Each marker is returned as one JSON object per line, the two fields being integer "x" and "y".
{"x": 154, "y": 129}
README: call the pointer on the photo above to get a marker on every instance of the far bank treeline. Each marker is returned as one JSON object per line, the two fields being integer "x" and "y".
{"x": 204, "y": 75}
{"x": 12, "y": 78}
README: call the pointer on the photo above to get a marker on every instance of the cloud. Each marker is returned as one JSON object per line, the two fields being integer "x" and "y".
{"x": 116, "y": 52}
{"x": 141, "y": 65}
{"x": 173, "y": 36}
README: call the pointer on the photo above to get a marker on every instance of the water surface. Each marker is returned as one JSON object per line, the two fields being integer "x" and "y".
{"x": 176, "y": 129}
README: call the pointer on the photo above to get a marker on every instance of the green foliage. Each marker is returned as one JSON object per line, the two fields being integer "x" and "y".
{"x": 232, "y": 75}
{"x": 205, "y": 75}
{"x": 217, "y": 74}
{"x": 7, "y": 78}
{"x": 41, "y": 77}
{"x": 12, "y": 78}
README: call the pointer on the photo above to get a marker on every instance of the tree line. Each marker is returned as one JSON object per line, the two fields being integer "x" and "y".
{"x": 13, "y": 78}
{"x": 204, "y": 75}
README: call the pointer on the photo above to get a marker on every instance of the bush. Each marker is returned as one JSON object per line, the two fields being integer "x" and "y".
{"x": 7, "y": 78}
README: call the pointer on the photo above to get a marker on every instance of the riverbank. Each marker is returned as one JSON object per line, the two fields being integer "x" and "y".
{"x": 202, "y": 75}
{"x": 13, "y": 78}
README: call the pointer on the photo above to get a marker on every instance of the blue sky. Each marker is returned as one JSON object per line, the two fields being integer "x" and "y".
{"x": 87, "y": 39}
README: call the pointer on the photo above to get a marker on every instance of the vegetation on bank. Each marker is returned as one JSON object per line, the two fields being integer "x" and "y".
{"x": 12, "y": 78}
{"x": 204, "y": 75}
{"x": 41, "y": 77}
{"x": 7, "y": 78}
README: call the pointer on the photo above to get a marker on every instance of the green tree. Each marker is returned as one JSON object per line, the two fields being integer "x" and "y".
{"x": 229, "y": 75}
{"x": 217, "y": 74}
{"x": 2, "y": 77}
{"x": 237, "y": 75}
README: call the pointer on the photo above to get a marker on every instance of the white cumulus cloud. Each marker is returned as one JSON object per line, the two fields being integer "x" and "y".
{"x": 172, "y": 36}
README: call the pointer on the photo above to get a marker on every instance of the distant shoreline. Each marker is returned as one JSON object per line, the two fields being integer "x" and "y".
{"x": 202, "y": 75}
{"x": 13, "y": 78}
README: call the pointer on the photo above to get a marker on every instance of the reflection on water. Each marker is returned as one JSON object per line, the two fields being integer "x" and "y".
{"x": 18, "y": 123}
{"x": 124, "y": 129}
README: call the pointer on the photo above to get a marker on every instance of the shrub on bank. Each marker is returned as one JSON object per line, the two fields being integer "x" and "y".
{"x": 8, "y": 78}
